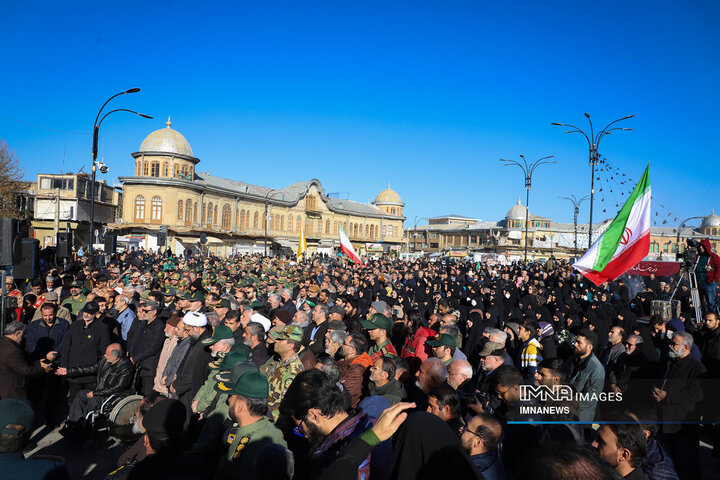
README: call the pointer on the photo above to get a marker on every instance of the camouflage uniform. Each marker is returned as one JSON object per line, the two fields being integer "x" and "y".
{"x": 279, "y": 379}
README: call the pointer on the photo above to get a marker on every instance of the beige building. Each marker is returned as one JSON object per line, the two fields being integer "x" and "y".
{"x": 458, "y": 236}
{"x": 62, "y": 202}
{"x": 167, "y": 191}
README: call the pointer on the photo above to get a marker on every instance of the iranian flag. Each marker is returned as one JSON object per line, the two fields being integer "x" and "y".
{"x": 625, "y": 242}
{"x": 347, "y": 248}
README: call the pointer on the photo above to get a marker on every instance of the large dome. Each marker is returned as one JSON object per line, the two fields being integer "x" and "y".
{"x": 388, "y": 196}
{"x": 711, "y": 220}
{"x": 166, "y": 140}
{"x": 517, "y": 212}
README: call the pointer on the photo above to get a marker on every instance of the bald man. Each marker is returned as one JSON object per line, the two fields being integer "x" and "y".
{"x": 114, "y": 374}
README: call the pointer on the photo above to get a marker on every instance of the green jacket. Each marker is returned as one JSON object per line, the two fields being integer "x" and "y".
{"x": 245, "y": 443}
{"x": 207, "y": 392}
{"x": 74, "y": 305}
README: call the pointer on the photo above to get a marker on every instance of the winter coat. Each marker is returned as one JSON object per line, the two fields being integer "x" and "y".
{"x": 84, "y": 345}
{"x": 352, "y": 375}
{"x": 681, "y": 381}
{"x": 587, "y": 376}
{"x": 41, "y": 339}
{"x": 393, "y": 391}
{"x": 14, "y": 369}
{"x": 110, "y": 378}
{"x": 145, "y": 341}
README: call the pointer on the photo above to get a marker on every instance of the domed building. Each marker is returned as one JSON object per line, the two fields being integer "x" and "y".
{"x": 167, "y": 194}
{"x": 710, "y": 225}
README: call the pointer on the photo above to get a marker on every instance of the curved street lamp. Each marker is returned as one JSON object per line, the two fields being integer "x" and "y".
{"x": 593, "y": 142}
{"x": 576, "y": 209}
{"x": 528, "y": 170}
{"x": 103, "y": 168}
{"x": 682, "y": 227}
{"x": 269, "y": 194}
{"x": 415, "y": 232}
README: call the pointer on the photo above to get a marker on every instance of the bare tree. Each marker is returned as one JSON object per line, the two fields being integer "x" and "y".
{"x": 11, "y": 182}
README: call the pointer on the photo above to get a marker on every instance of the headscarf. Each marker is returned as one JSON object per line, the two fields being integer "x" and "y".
{"x": 426, "y": 448}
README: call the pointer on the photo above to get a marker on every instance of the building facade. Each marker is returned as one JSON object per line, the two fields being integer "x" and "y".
{"x": 167, "y": 192}
{"x": 458, "y": 236}
{"x": 62, "y": 202}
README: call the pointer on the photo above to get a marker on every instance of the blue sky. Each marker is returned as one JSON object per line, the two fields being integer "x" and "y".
{"x": 426, "y": 96}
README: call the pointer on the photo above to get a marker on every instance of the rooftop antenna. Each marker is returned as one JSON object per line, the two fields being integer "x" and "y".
{"x": 62, "y": 167}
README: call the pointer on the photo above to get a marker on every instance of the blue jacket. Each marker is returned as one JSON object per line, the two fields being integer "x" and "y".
{"x": 658, "y": 465}
{"x": 16, "y": 467}
{"x": 42, "y": 339}
{"x": 490, "y": 465}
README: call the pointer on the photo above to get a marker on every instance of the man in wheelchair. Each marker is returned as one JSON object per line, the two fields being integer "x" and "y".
{"x": 114, "y": 375}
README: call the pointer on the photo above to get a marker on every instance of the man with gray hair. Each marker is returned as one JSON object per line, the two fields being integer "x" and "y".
{"x": 495, "y": 335}
{"x": 145, "y": 342}
{"x": 287, "y": 303}
{"x": 301, "y": 319}
{"x": 14, "y": 368}
{"x": 254, "y": 337}
{"x": 333, "y": 342}
{"x": 125, "y": 317}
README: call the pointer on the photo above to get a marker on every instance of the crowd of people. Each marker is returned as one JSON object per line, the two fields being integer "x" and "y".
{"x": 269, "y": 368}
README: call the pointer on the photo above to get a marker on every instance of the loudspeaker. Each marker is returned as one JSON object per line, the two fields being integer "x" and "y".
{"x": 10, "y": 241}
{"x": 161, "y": 239}
{"x": 110, "y": 243}
{"x": 29, "y": 265}
{"x": 64, "y": 244}
{"x": 203, "y": 238}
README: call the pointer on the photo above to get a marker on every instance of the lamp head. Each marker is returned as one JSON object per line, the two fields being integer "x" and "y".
{"x": 132, "y": 90}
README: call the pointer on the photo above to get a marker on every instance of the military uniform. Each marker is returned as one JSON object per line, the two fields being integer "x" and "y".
{"x": 75, "y": 304}
{"x": 245, "y": 443}
{"x": 279, "y": 379}
{"x": 384, "y": 350}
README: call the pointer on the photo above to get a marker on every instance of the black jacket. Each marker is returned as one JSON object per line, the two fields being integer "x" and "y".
{"x": 145, "y": 341}
{"x": 709, "y": 343}
{"x": 194, "y": 370}
{"x": 110, "y": 378}
{"x": 681, "y": 381}
{"x": 14, "y": 369}
{"x": 317, "y": 343}
{"x": 84, "y": 345}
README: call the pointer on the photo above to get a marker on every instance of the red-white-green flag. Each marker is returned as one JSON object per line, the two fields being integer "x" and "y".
{"x": 347, "y": 248}
{"x": 625, "y": 242}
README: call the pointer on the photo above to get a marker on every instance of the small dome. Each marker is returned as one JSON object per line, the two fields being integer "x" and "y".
{"x": 517, "y": 212}
{"x": 388, "y": 196}
{"x": 166, "y": 140}
{"x": 711, "y": 220}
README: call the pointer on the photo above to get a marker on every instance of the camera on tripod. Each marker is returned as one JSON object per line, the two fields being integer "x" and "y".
{"x": 689, "y": 256}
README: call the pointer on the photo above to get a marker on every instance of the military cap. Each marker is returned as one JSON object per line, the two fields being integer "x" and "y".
{"x": 165, "y": 418}
{"x": 494, "y": 349}
{"x": 76, "y": 284}
{"x": 90, "y": 307}
{"x": 377, "y": 321}
{"x": 290, "y": 332}
{"x": 255, "y": 305}
{"x": 221, "y": 332}
{"x": 170, "y": 292}
{"x": 250, "y": 385}
{"x": 228, "y": 360}
{"x": 231, "y": 372}
{"x": 443, "y": 340}
{"x": 196, "y": 297}
{"x": 223, "y": 303}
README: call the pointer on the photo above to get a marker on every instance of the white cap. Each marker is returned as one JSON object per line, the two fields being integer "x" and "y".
{"x": 195, "y": 319}
{"x": 264, "y": 321}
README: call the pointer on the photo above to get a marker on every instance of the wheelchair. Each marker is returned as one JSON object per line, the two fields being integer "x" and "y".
{"x": 116, "y": 416}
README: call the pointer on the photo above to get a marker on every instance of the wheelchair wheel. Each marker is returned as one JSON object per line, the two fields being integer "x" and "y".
{"x": 122, "y": 417}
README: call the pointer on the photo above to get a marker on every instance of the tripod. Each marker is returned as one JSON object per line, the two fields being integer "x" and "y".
{"x": 689, "y": 270}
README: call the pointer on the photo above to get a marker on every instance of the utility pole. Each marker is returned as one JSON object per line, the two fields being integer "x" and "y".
{"x": 56, "y": 224}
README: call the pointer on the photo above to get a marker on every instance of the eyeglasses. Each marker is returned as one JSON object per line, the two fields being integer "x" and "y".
{"x": 465, "y": 428}
{"x": 298, "y": 430}
{"x": 628, "y": 344}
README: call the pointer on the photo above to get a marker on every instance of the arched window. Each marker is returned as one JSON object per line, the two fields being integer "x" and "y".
{"x": 180, "y": 209}
{"x": 355, "y": 230}
{"x": 335, "y": 224}
{"x": 242, "y": 220}
{"x": 139, "y": 209}
{"x": 308, "y": 226}
{"x": 138, "y": 168}
{"x": 192, "y": 173}
{"x": 215, "y": 215}
{"x": 282, "y": 222}
{"x": 203, "y": 213}
{"x": 272, "y": 222}
{"x": 145, "y": 169}
{"x": 226, "y": 217}
{"x": 256, "y": 220}
{"x": 176, "y": 171}
{"x": 155, "y": 169}
{"x": 209, "y": 213}
{"x": 165, "y": 169}
{"x": 372, "y": 231}
{"x": 297, "y": 223}
{"x": 327, "y": 226}
{"x": 290, "y": 223}
{"x": 395, "y": 231}
{"x": 188, "y": 212}
{"x": 367, "y": 230}
{"x": 156, "y": 210}
{"x": 195, "y": 213}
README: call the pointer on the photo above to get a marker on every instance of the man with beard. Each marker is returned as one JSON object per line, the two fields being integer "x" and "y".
{"x": 491, "y": 357}
{"x": 281, "y": 375}
{"x": 252, "y": 431}
{"x": 585, "y": 373}
{"x": 382, "y": 380}
{"x": 254, "y": 337}
{"x": 480, "y": 439}
{"x": 315, "y": 404}
{"x": 194, "y": 370}
{"x": 314, "y": 335}
{"x": 623, "y": 446}
{"x": 334, "y": 340}
{"x": 145, "y": 341}
{"x": 678, "y": 396}
{"x": 171, "y": 341}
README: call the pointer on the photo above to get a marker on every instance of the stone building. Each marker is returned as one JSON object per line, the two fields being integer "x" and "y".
{"x": 167, "y": 191}
{"x": 458, "y": 236}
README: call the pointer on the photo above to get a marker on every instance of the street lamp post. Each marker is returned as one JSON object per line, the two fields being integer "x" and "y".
{"x": 528, "y": 170}
{"x": 680, "y": 228}
{"x": 103, "y": 168}
{"x": 576, "y": 209}
{"x": 593, "y": 142}
{"x": 415, "y": 229}
{"x": 269, "y": 194}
